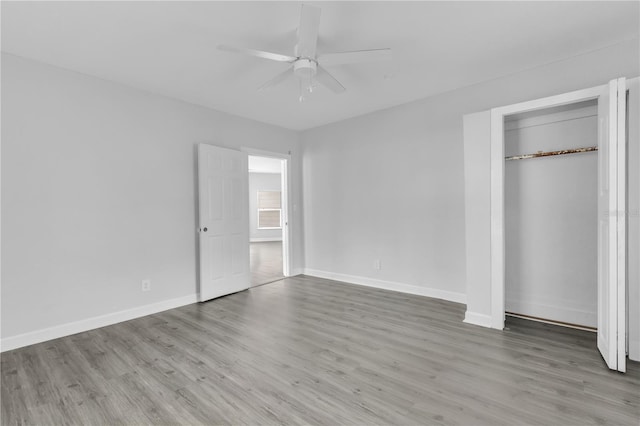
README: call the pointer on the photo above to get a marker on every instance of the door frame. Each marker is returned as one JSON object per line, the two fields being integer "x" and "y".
{"x": 286, "y": 202}
{"x": 497, "y": 248}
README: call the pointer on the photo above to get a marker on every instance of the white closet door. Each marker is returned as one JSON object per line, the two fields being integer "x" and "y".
{"x": 223, "y": 188}
{"x": 611, "y": 225}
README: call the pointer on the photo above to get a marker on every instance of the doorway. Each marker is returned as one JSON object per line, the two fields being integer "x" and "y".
{"x": 551, "y": 214}
{"x": 267, "y": 219}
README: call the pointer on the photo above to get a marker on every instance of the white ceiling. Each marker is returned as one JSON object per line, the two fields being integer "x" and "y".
{"x": 264, "y": 165}
{"x": 169, "y": 48}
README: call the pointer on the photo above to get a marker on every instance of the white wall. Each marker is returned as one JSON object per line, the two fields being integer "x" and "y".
{"x": 98, "y": 193}
{"x": 262, "y": 182}
{"x": 390, "y": 185}
{"x": 387, "y": 186}
{"x": 551, "y": 217}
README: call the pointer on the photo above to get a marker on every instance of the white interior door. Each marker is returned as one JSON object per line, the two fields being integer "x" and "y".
{"x": 611, "y": 225}
{"x": 223, "y": 190}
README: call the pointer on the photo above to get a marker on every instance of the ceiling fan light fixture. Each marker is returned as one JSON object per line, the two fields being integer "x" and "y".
{"x": 305, "y": 69}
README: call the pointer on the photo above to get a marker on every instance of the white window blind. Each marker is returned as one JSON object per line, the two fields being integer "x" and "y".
{"x": 269, "y": 210}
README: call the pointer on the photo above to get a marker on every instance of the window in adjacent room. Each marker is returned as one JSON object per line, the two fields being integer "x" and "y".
{"x": 269, "y": 210}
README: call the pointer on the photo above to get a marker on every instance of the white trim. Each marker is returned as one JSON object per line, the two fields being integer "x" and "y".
{"x": 390, "y": 285}
{"x": 264, "y": 239}
{"x": 477, "y": 319}
{"x": 62, "y": 330}
{"x": 497, "y": 186}
{"x": 262, "y": 153}
{"x": 553, "y": 101}
{"x": 541, "y": 120}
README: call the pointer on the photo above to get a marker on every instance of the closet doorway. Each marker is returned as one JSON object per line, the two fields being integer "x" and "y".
{"x": 267, "y": 219}
{"x": 610, "y": 203}
{"x": 551, "y": 214}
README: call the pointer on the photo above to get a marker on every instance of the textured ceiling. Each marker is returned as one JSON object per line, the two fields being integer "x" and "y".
{"x": 169, "y": 48}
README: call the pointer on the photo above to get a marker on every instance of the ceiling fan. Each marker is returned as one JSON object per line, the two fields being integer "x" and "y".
{"x": 306, "y": 63}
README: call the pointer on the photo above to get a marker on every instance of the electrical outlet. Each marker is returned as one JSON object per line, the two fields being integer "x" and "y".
{"x": 377, "y": 265}
{"x": 146, "y": 285}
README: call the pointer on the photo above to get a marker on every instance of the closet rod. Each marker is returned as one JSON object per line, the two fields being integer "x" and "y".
{"x": 551, "y": 153}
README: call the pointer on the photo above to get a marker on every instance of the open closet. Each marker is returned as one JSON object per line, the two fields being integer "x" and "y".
{"x": 551, "y": 214}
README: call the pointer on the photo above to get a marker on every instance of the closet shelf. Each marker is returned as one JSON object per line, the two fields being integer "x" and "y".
{"x": 552, "y": 153}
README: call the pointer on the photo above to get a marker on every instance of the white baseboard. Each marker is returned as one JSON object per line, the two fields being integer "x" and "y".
{"x": 264, "y": 239}
{"x": 33, "y": 337}
{"x": 477, "y": 319}
{"x": 390, "y": 285}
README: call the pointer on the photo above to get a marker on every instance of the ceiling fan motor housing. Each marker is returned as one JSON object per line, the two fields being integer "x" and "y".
{"x": 305, "y": 68}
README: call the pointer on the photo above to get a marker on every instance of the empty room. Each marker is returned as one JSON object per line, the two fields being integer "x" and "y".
{"x": 325, "y": 212}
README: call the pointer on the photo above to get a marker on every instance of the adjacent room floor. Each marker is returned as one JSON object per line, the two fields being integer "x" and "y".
{"x": 310, "y": 351}
{"x": 265, "y": 262}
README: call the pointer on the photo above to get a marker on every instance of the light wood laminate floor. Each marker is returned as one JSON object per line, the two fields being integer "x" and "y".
{"x": 312, "y": 351}
{"x": 265, "y": 262}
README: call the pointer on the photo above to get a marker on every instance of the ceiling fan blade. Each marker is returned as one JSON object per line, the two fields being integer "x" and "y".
{"x": 327, "y": 80}
{"x": 276, "y": 80}
{"x": 355, "y": 56}
{"x": 308, "y": 32}
{"x": 258, "y": 53}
